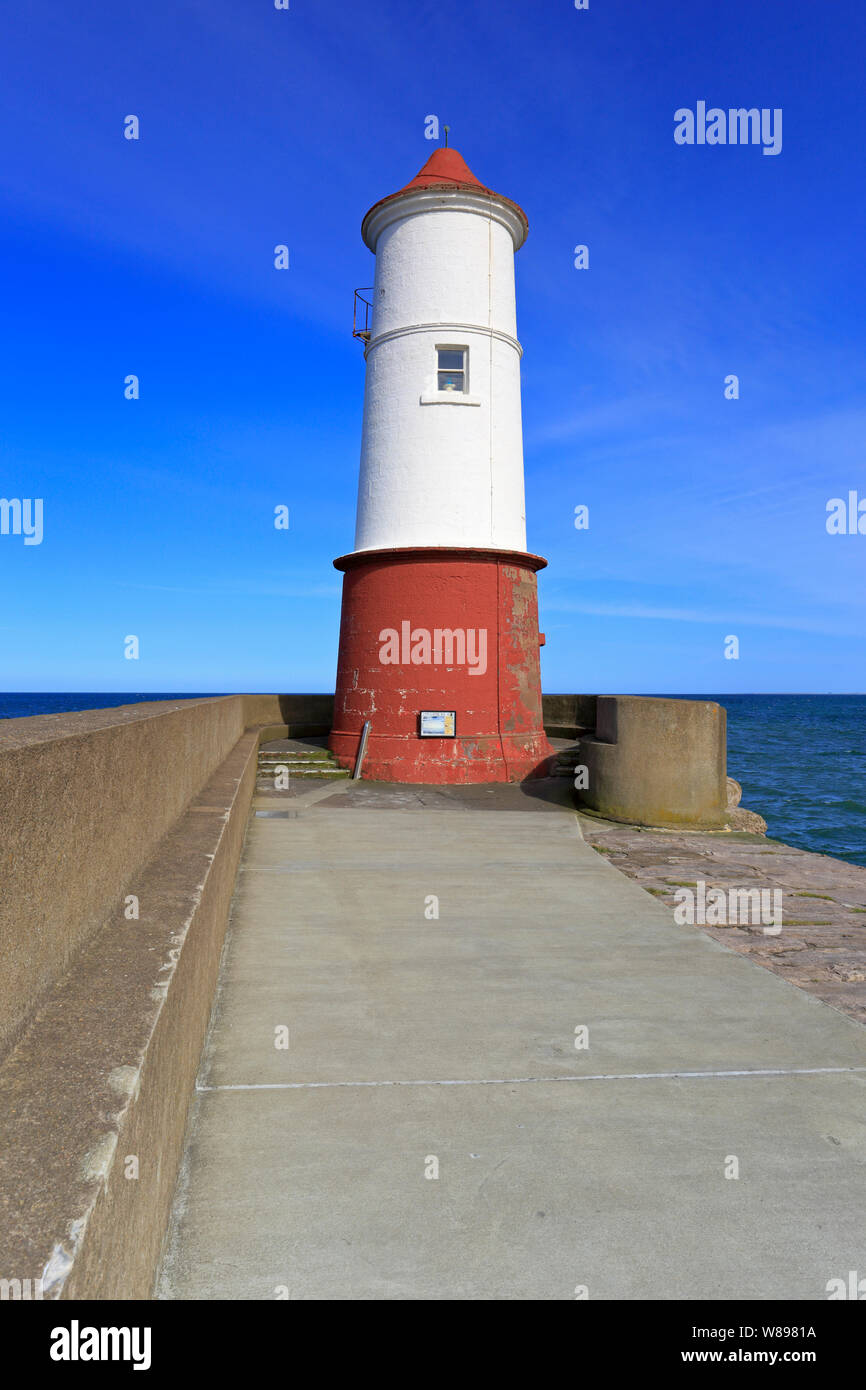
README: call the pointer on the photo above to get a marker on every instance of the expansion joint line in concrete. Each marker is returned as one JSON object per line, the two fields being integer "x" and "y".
{"x": 539, "y": 1080}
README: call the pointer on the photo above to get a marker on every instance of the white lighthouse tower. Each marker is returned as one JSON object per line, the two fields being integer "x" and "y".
{"x": 439, "y": 635}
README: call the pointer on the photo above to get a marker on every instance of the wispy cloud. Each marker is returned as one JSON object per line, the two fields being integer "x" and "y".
{"x": 730, "y": 617}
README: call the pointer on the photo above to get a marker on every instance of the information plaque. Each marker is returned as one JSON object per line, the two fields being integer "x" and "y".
{"x": 438, "y": 723}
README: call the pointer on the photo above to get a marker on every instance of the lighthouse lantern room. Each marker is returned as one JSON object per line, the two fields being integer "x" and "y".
{"x": 439, "y": 642}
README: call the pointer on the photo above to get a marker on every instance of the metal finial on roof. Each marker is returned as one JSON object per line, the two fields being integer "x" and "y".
{"x": 447, "y": 130}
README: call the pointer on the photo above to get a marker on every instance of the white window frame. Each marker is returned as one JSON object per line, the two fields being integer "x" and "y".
{"x": 437, "y": 397}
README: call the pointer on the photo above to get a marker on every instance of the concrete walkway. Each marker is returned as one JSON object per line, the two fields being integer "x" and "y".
{"x": 415, "y": 1039}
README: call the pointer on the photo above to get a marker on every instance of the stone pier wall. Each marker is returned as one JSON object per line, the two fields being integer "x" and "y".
{"x": 84, "y": 800}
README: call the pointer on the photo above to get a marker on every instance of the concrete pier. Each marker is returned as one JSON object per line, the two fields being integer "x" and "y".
{"x": 430, "y": 955}
{"x": 420, "y": 1044}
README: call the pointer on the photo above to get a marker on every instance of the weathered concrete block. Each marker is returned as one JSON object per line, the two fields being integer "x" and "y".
{"x": 301, "y": 714}
{"x": 567, "y": 716}
{"x": 654, "y": 761}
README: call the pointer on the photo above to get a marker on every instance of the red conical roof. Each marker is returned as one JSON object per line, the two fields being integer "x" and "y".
{"x": 446, "y": 169}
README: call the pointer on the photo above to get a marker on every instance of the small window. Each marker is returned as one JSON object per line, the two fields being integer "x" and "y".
{"x": 452, "y": 369}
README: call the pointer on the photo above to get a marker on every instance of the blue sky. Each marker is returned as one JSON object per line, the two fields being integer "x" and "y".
{"x": 259, "y": 127}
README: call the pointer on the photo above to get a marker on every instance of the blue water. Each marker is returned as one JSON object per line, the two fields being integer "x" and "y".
{"x": 17, "y": 705}
{"x": 801, "y": 759}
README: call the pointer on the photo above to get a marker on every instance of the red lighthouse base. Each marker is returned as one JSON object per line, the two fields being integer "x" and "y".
{"x": 440, "y": 630}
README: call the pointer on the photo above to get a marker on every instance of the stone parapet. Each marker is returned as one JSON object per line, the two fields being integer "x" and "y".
{"x": 657, "y": 762}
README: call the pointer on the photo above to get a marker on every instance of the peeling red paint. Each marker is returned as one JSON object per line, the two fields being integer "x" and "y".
{"x": 500, "y": 735}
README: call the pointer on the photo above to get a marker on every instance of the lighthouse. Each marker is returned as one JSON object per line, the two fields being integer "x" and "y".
{"x": 439, "y": 640}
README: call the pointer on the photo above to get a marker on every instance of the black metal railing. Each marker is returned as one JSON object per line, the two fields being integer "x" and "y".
{"x": 362, "y": 315}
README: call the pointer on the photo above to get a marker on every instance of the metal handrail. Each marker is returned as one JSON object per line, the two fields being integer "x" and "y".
{"x": 362, "y": 748}
{"x": 358, "y": 313}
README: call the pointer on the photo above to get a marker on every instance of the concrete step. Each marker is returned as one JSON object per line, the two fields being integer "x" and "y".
{"x": 296, "y": 758}
{"x": 266, "y": 774}
{"x": 564, "y": 763}
{"x": 297, "y": 762}
{"x": 307, "y": 762}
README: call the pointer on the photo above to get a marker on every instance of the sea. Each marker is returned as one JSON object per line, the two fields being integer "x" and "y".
{"x": 801, "y": 759}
